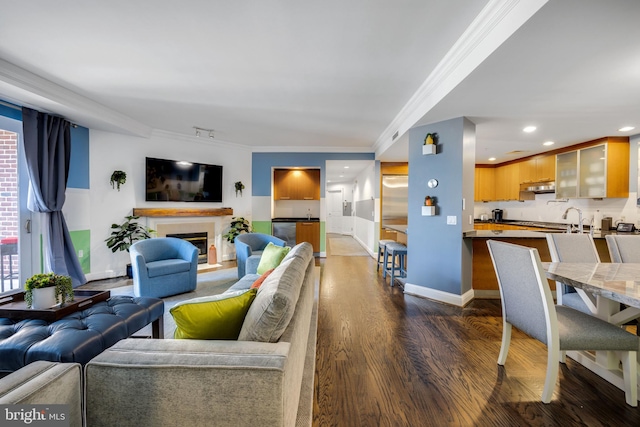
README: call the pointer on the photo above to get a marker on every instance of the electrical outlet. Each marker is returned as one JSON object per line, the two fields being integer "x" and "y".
{"x": 80, "y": 253}
{"x": 452, "y": 220}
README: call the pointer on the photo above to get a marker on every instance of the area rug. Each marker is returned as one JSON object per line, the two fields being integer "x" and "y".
{"x": 345, "y": 246}
{"x": 211, "y": 283}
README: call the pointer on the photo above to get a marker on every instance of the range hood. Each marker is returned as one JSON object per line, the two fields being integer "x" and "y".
{"x": 539, "y": 187}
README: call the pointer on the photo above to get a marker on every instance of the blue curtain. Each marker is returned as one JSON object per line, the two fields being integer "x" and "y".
{"x": 47, "y": 146}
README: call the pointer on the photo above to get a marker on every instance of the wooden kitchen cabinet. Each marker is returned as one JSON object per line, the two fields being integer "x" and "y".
{"x": 508, "y": 182}
{"x": 485, "y": 184}
{"x": 296, "y": 184}
{"x": 308, "y": 232}
{"x": 537, "y": 169}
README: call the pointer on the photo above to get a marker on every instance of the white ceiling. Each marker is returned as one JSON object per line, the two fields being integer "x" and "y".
{"x": 331, "y": 75}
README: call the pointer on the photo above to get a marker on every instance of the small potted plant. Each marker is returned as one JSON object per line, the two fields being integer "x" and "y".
{"x": 44, "y": 290}
{"x": 238, "y": 225}
{"x": 117, "y": 179}
{"x": 126, "y": 234}
{"x": 239, "y": 187}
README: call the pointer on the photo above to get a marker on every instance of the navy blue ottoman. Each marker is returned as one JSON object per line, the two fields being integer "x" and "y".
{"x": 80, "y": 336}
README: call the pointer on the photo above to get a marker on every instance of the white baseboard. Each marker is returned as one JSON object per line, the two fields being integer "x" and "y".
{"x": 434, "y": 294}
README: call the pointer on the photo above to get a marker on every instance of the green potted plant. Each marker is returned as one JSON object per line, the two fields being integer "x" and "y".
{"x": 44, "y": 290}
{"x": 126, "y": 234}
{"x": 117, "y": 179}
{"x": 237, "y": 226}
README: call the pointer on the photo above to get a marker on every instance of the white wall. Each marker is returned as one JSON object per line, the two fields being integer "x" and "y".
{"x": 111, "y": 151}
{"x": 365, "y": 189}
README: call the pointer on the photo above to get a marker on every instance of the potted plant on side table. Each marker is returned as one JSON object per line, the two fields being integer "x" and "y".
{"x": 44, "y": 290}
{"x": 126, "y": 234}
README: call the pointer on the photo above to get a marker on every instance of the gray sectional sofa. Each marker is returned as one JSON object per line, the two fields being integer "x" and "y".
{"x": 265, "y": 378}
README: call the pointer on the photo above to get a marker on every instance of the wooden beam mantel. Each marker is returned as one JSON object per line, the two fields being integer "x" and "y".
{"x": 169, "y": 212}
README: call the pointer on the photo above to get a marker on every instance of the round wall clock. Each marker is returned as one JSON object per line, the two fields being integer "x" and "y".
{"x": 433, "y": 183}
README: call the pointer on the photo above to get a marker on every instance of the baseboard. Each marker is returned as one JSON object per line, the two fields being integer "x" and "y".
{"x": 440, "y": 296}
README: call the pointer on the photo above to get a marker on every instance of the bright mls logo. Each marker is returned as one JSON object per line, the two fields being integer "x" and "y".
{"x": 34, "y": 415}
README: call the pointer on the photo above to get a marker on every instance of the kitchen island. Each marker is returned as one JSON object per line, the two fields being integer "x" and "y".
{"x": 484, "y": 282}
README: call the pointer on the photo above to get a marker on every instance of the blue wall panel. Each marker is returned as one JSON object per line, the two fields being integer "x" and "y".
{"x": 264, "y": 162}
{"x": 79, "y": 163}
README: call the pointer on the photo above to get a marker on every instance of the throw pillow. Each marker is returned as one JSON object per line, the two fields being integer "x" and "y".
{"x": 218, "y": 317}
{"x": 272, "y": 256}
{"x": 260, "y": 279}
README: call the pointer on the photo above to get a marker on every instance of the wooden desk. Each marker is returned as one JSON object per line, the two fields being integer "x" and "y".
{"x": 608, "y": 284}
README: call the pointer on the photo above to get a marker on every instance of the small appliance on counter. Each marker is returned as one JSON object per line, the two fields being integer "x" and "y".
{"x": 497, "y": 215}
{"x": 484, "y": 217}
{"x": 607, "y": 222}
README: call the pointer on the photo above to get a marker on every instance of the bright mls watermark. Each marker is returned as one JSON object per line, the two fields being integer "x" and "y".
{"x": 34, "y": 415}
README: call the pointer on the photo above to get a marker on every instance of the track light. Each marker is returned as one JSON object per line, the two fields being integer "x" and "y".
{"x": 199, "y": 129}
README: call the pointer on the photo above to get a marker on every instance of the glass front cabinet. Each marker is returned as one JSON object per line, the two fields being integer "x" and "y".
{"x": 594, "y": 172}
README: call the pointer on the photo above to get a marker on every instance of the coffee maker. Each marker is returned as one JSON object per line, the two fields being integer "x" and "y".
{"x": 497, "y": 215}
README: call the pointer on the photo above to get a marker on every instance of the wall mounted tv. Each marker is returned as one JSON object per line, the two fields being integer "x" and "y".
{"x": 179, "y": 181}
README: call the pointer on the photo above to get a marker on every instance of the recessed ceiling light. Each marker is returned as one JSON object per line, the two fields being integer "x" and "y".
{"x": 346, "y": 167}
{"x": 492, "y": 159}
{"x": 547, "y": 143}
{"x": 626, "y": 129}
{"x": 529, "y": 129}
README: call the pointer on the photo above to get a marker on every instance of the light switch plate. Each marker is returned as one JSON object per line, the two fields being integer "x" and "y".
{"x": 452, "y": 220}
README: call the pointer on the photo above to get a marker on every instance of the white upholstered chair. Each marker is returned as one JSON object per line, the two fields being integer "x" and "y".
{"x": 527, "y": 304}
{"x": 623, "y": 248}
{"x": 565, "y": 247}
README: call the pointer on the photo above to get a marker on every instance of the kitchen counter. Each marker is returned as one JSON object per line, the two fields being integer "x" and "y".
{"x": 305, "y": 219}
{"x": 528, "y": 234}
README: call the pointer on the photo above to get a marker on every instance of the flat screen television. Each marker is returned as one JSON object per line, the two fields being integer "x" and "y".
{"x": 180, "y": 181}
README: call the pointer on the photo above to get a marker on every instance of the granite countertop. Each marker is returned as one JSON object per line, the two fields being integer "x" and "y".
{"x": 305, "y": 219}
{"x": 525, "y": 234}
{"x": 400, "y": 228}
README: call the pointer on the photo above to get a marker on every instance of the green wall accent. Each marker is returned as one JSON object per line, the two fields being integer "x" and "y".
{"x": 323, "y": 237}
{"x": 82, "y": 242}
{"x": 263, "y": 227}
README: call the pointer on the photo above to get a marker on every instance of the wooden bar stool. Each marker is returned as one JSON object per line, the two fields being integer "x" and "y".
{"x": 382, "y": 255}
{"x": 397, "y": 253}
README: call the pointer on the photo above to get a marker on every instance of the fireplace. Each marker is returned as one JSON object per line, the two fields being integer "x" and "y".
{"x": 199, "y": 240}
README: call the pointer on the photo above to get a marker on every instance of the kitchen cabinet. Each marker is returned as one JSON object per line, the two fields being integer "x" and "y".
{"x": 508, "y": 182}
{"x": 597, "y": 171}
{"x": 537, "y": 169}
{"x": 296, "y": 184}
{"x": 485, "y": 184}
{"x": 308, "y": 232}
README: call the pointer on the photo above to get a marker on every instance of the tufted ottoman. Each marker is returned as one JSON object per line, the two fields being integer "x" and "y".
{"x": 80, "y": 336}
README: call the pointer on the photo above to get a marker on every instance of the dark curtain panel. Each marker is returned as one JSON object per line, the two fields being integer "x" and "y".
{"x": 47, "y": 145}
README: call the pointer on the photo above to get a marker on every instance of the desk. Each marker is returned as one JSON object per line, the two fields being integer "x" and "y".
{"x": 609, "y": 284}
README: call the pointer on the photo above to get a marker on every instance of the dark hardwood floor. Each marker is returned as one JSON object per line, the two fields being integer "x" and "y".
{"x": 389, "y": 359}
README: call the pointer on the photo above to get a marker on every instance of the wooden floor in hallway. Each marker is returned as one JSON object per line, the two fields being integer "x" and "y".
{"x": 389, "y": 359}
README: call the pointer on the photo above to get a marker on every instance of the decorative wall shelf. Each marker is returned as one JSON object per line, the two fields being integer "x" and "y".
{"x": 428, "y": 210}
{"x": 428, "y": 149}
{"x": 173, "y": 212}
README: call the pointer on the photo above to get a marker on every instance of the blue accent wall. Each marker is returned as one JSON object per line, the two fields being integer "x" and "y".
{"x": 12, "y": 113}
{"x": 438, "y": 256}
{"x": 79, "y": 163}
{"x": 264, "y": 162}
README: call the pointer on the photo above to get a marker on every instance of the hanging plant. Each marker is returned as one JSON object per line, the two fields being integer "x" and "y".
{"x": 239, "y": 187}
{"x": 118, "y": 178}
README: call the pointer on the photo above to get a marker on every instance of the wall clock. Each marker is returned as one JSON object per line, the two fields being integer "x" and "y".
{"x": 432, "y": 183}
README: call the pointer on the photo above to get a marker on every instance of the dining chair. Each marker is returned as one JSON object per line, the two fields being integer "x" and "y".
{"x": 527, "y": 304}
{"x": 623, "y": 248}
{"x": 574, "y": 247}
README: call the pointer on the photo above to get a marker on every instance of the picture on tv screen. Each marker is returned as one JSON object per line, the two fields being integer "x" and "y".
{"x": 180, "y": 181}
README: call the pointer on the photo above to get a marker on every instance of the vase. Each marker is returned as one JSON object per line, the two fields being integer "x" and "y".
{"x": 43, "y": 298}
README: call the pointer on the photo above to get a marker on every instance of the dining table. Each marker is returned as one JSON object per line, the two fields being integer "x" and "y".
{"x": 612, "y": 293}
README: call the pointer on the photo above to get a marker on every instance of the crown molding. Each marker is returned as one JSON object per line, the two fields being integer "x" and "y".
{"x": 43, "y": 93}
{"x": 314, "y": 149}
{"x": 494, "y": 24}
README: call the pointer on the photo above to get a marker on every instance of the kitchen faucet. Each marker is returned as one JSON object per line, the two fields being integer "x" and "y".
{"x": 564, "y": 216}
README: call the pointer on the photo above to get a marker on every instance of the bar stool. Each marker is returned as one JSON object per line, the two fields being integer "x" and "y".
{"x": 397, "y": 269}
{"x": 8, "y": 246}
{"x": 382, "y": 252}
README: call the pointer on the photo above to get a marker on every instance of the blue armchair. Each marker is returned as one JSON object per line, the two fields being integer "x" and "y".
{"x": 163, "y": 266}
{"x": 249, "y": 247}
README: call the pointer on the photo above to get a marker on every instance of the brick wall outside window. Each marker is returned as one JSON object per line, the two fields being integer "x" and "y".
{"x": 9, "y": 189}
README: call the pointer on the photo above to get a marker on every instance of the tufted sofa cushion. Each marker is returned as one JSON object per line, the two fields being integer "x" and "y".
{"x": 77, "y": 337}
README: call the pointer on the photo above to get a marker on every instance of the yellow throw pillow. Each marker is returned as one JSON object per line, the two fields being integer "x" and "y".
{"x": 272, "y": 256}
{"x": 218, "y": 317}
